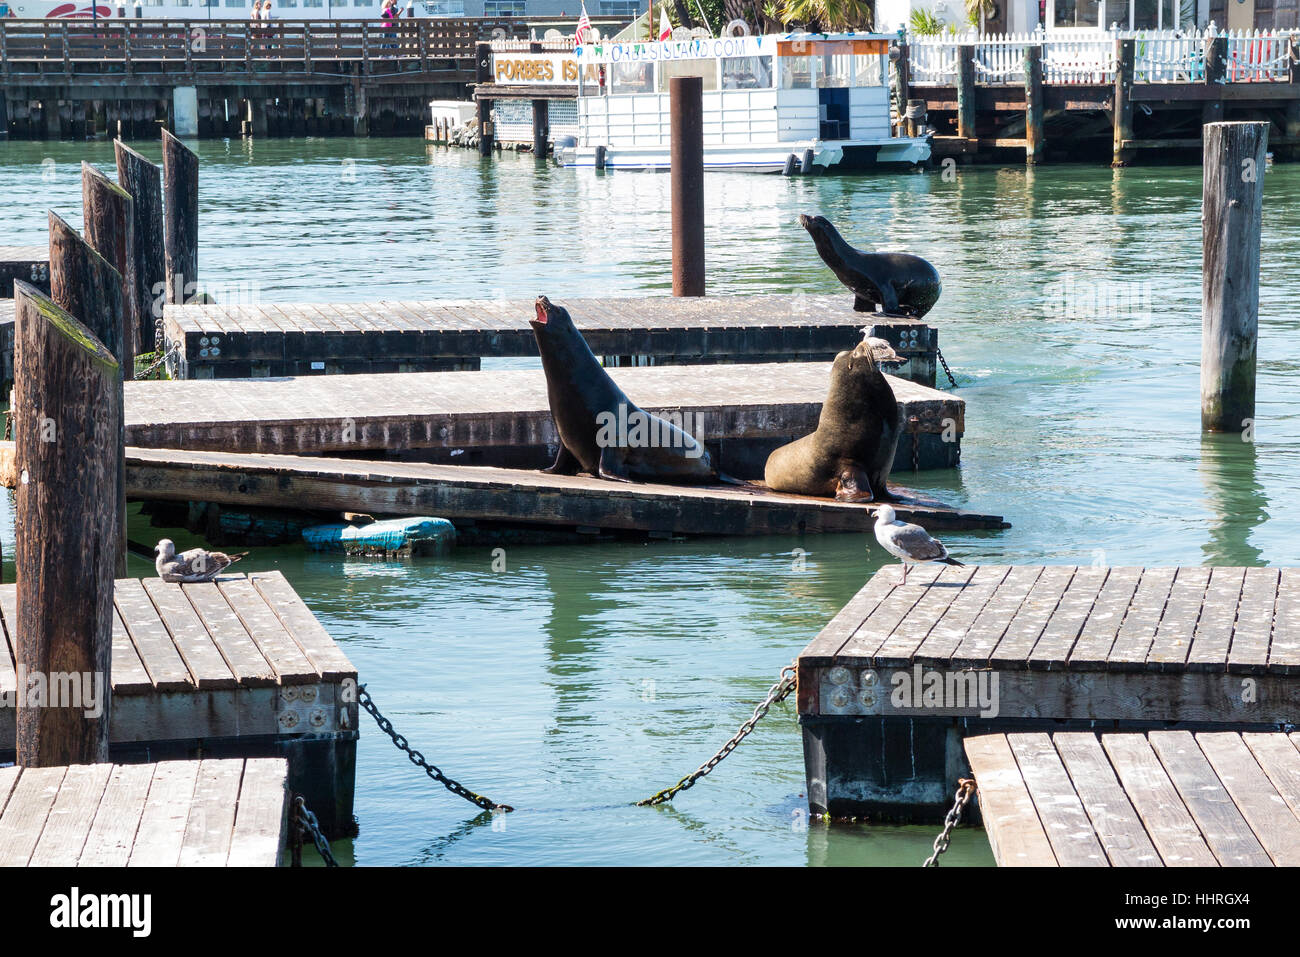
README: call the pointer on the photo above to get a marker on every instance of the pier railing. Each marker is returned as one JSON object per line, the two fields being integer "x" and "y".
{"x": 1160, "y": 57}
{"x": 40, "y": 46}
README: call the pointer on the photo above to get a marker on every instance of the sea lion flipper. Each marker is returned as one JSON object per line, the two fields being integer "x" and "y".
{"x": 853, "y": 485}
{"x": 566, "y": 463}
{"x": 862, "y": 304}
{"x": 612, "y": 466}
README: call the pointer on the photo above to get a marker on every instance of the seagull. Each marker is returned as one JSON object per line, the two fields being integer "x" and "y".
{"x": 910, "y": 543}
{"x": 195, "y": 565}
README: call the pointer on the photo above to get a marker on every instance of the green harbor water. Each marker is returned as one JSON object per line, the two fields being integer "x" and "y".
{"x": 580, "y": 679}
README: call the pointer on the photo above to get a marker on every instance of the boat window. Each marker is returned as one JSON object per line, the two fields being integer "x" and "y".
{"x": 868, "y": 70}
{"x": 633, "y": 77}
{"x": 708, "y": 69}
{"x": 835, "y": 69}
{"x": 747, "y": 73}
{"x": 796, "y": 72}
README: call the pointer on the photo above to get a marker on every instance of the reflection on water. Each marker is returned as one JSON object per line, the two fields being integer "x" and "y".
{"x": 581, "y": 679}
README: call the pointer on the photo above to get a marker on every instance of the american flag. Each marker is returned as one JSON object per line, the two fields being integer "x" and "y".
{"x": 584, "y": 25}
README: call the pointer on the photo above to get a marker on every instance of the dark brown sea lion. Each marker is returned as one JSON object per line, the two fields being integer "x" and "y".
{"x": 850, "y": 455}
{"x": 601, "y": 430}
{"x": 900, "y": 283}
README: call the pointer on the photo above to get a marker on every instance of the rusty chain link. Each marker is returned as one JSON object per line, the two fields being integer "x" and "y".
{"x": 965, "y": 788}
{"x": 944, "y": 362}
{"x": 779, "y": 692}
{"x": 304, "y": 822}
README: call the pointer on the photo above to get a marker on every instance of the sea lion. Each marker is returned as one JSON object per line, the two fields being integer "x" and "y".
{"x": 601, "y": 430}
{"x": 850, "y": 455}
{"x": 900, "y": 283}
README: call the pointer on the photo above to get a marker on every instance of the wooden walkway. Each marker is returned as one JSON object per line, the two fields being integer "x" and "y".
{"x": 210, "y": 813}
{"x": 469, "y": 495}
{"x": 239, "y": 667}
{"x": 239, "y": 341}
{"x": 475, "y": 414}
{"x": 28, "y": 263}
{"x": 1165, "y": 798}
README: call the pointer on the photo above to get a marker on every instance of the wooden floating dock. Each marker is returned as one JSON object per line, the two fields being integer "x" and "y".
{"x": 209, "y": 813}
{"x": 239, "y": 667}
{"x": 1130, "y": 647}
{"x": 242, "y": 341}
{"x": 473, "y": 496}
{"x": 1165, "y": 798}
{"x": 29, "y": 263}
{"x": 502, "y": 418}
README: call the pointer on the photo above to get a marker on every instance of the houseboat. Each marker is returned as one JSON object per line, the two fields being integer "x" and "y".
{"x": 766, "y": 98}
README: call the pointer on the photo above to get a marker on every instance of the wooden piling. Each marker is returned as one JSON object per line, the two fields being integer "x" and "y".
{"x": 541, "y": 128}
{"x": 1122, "y": 105}
{"x": 143, "y": 180}
{"x": 902, "y": 80}
{"x": 180, "y": 171}
{"x": 686, "y": 99}
{"x": 110, "y": 230}
{"x": 1216, "y": 72}
{"x": 67, "y": 432}
{"x": 1034, "y": 104}
{"x": 966, "y": 90}
{"x": 86, "y": 286}
{"x": 483, "y": 74}
{"x": 1231, "y": 211}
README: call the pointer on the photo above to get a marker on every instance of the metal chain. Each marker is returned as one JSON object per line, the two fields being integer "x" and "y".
{"x": 778, "y": 692}
{"x": 172, "y": 353}
{"x": 306, "y": 822}
{"x": 965, "y": 788}
{"x": 416, "y": 758}
{"x": 944, "y": 363}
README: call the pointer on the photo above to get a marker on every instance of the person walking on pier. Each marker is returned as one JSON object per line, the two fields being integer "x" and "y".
{"x": 388, "y": 16}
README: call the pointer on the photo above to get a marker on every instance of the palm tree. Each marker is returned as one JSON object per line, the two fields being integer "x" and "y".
{"x": 823, "y": 15}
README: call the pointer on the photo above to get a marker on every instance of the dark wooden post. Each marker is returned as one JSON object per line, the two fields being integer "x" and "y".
{"x": 1034, "y": 104}
{"x": 1292, "y": 121}
{"x": 1231, "y": 212}
{"x": 110, "y": 230}
{"x": 180, "y": 217}
{"x": 1216, "y": 72}
{"x": 84, "y": 284}
{"x": 483, "y": 74}
{"x": 966, "y": 91}
{"x": 686, "y": 104}
{"x": 143, "y": 180}
{"x": 1123, "y": 102}
{"x": 67, "y": 429}
{"x": 541, "y": 128}
{"x": 903, "y": 83}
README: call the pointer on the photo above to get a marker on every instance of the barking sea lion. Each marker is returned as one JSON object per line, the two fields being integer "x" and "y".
{"x": 900, "y": 283}
{"x": 601, "y": 430}
{"x": 850, "y": 455}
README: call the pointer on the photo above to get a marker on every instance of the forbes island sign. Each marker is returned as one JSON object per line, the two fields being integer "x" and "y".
{"x": 534, "y": 69}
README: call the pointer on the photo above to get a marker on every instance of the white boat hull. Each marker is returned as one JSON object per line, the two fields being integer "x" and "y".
{"x": 759, "y": 158}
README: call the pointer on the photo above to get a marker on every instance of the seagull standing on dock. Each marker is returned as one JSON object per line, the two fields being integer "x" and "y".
{"x": 911, "y": 544}
{"x": 195, "y": 565}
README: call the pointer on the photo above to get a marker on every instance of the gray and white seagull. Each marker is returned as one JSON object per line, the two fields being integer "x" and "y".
{"x": 194, "y": 565}
{"x": 910, "y": 543}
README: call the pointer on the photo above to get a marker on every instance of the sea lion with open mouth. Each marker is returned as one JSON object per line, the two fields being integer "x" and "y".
{"x": 601, "y": 430}
{"x": 900, "y": 283}
{"x": 851, "y": 454}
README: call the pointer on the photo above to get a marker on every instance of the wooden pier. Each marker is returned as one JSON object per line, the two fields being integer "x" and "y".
{"x": 209, "y": 813}
{"x": 264, "y": 339}
{"x": 31, "y": 264}
{"x": 502, "y": 417}
{"x": 239, "y": 667}
{"x": 1165, "y": 798}
{"x": 1034, "y": 648}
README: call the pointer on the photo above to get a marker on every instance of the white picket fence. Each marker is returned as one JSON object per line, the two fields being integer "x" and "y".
{"x": 1168, "y": 56}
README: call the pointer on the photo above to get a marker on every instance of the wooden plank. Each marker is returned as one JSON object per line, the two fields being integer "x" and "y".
{"x": 1138, "y": 629}
{"x": 25, "y": 814}
{"x": 1114, "y": 820}
{"x": 150, "y": 637}
{"x": 128, "y": 673}
{"x": 237, "y": 647}
{"x": 1280, "y": 759}
{"x": 1226, "y": 831}
{"x": 1060, "y": 811}
{"x": 1092, "y": 647}
{"x": 826, "y": 645}
{"x": 1274, "y": 825}
{"x": 260, "y": 824}
{"x": 869, "y": 636}
{"x": 901, "y": 643}
{"x": 112, "y": 834}
{"x": 1213, "y": 633}
{"x": 190, "y": 635}
{"x": 1031, "y": 618}
{"x": 276, "y": 644}
{"x": 1157, "y": 801}
{"x": 166, "y": 813}
{"x": 307, "y": 632}
{"x": 1251, "y": 637}
{"x": 8, "y": 778}
{"x": 1284, "y": 652}
{"x": 211, "y": 822}
{"x": 991, "y": 623}
{"x": 1013, "y": 827}
{"x": 960, "y": 616}
{"x": 68, "y": 824}
{"x": 1052, "y": 649}
{"x": 1177, "y": 628}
